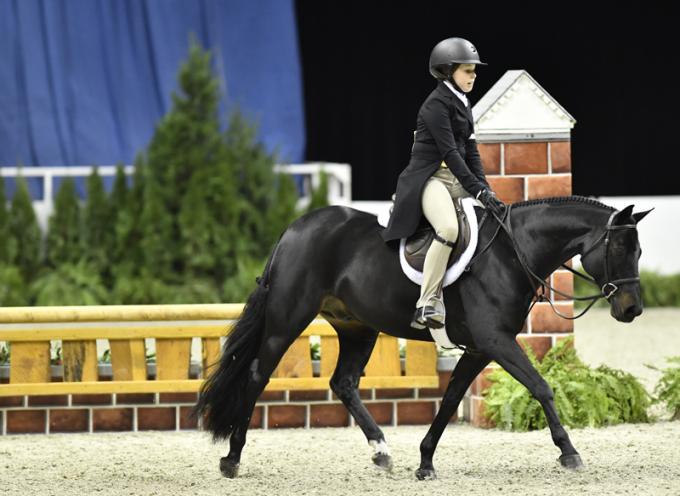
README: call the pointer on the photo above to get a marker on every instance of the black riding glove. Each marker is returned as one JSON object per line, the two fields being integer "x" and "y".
{"x": 491, "y": 202}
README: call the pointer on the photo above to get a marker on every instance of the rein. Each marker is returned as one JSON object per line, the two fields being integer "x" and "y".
{"x": 607, "y": 289}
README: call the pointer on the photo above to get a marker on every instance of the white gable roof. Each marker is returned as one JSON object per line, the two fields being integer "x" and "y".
{"x": 517, "y": 107}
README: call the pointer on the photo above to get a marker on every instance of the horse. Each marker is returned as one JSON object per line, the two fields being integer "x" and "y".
{"x": 332, "y": 261}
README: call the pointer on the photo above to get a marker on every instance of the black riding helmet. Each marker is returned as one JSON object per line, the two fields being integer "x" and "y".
{"x": 450, "y": 52}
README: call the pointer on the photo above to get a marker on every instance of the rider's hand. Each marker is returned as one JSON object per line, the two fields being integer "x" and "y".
{"x": 491, "y": 202}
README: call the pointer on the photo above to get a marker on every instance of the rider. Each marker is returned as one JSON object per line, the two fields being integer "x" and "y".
{"x": 444, "y": 164}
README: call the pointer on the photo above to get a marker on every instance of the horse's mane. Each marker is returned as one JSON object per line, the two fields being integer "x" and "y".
{"x": 562, "y": 199}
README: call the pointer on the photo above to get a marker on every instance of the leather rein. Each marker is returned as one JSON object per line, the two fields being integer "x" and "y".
{"x": 606, "y": 291}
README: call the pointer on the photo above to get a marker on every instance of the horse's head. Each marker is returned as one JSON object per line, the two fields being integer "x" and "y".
{"x": 612, "y": 259}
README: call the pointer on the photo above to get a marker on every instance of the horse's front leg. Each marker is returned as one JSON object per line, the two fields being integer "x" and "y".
{"x": 509, "y": 355}
{"x": 465, "y": 372}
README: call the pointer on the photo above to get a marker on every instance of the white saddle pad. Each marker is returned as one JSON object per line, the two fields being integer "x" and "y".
{"x": 457, "y": 268}
{"x": 439, "y": 335}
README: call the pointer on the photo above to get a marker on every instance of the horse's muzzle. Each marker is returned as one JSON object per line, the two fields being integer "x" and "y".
{"x": 626, "y": 307}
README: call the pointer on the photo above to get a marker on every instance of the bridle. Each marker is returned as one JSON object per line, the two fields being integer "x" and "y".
{"x": 609, "y": 288}
{"x": 614, "y": 285}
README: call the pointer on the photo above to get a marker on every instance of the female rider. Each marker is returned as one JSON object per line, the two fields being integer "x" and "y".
{"x": 444, "y": 164}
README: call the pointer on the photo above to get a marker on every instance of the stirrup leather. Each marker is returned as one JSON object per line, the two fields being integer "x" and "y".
{"x": 452, "y": 244}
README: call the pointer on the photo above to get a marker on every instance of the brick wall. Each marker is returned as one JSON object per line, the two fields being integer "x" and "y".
{"x": 170, "y": 411}
{"x": 525, "y": 171}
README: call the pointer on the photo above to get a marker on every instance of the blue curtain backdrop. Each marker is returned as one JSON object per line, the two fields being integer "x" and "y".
{"x": 85, "y": 81}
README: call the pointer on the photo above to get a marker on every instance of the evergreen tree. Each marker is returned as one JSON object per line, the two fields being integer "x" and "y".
{"x": 320, "y": 194}
{"x": 256, "y": 187}
{"x": 156, "y": 232}
{"x": 4, "y": 226}
{"x": 64, "y": 241}
{"x": 187, "y": 142}
{"x": 117, "y": 201}
{"x": 97, "y": 225}
{"x": 128, "y": 233}
{"x": 24, "y": 233}
{"x": 283, "y": 210}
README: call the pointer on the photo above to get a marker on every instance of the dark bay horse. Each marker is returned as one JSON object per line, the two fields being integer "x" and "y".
{"x": 332, "y": 261}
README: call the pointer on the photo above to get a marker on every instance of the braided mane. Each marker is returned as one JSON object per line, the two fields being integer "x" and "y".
{"x": 562, "y": 199}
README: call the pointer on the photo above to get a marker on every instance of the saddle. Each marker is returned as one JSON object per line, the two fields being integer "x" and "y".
{"x": 419, "y": 242}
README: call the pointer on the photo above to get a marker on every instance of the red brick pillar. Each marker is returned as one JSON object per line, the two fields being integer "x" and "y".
{"x": 524, "y": 143}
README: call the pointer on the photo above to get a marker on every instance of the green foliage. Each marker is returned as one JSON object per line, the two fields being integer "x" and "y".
{"x": 56, "y": 356}
{"x": 70, "y": 284}
{"x": 658, "y": 290}
{"x": 97, "y": 221}
{"x": 242, "y": 283}
{"x": 4, "y": 354}
{"x": 142, "y": 289}
{"x": 13, "y": 290}
{"x": 315, "y": 351}
{"x": 24, "y": 233}
{"x": 319, "y": 196}
{"x": 194, "y": 291}
{"x": 5, "y": 240}
{"x": 185, "y": 157}
{"x": 64, "y": 240}
{"x": 255, "y": 179}
{"x": 195, "y": 225}
{"x": 583, "y": 396}
{"x": 127, "y": 252}
{"x": 283, "y": 212}
{"x": 106, "y": 356}
{"x": 156, "y": 232}
{"x": 667, "y": 390}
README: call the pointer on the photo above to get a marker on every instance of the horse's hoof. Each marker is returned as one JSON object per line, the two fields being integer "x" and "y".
{"x": 228, "y": 468}
{"x": 426, "y": 474}
{"x": 383, "y": 461}
{"x": 572, "y": 462}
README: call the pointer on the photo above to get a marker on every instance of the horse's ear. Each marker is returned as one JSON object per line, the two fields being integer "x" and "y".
{"x": 638, "y": 216}
{"x": 623, "y": 216}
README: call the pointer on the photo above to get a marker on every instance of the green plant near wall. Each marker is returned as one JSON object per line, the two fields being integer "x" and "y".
{"x": 584, "y": 396}
{"x": 4, "y": 354}
{"x": 667, "y": 390}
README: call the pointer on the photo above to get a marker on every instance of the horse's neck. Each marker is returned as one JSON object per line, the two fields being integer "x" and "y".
{"x": 551, "y": 234}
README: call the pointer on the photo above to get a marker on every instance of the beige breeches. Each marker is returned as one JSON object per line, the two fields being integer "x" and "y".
{"x": 438, "y": 209}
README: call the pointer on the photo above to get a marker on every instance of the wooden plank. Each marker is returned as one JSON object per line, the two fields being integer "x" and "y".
{"x": 173, "y": 359}
{"x": 106, "y": 331}
{"x": 80, "y": 360}
{"x": 384, "y": 360}
{"x": 210, "y": 354}
{"x": 421, "y": 358}
{"x": 128, "y": 359}
{"x": 30, "y": 362}
{"x": 297, "y": 361}
{"x": 121, "y": 313}
{"x": 330, "y": 349}
{"x": 193, "y": 385}
{"x": 127, "y": 313}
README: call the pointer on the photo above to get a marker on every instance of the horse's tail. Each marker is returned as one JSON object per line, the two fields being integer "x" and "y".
{"x": 221, "y": 397}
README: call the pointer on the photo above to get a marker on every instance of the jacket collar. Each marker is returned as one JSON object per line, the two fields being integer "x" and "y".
{"x": 447, "y": 93}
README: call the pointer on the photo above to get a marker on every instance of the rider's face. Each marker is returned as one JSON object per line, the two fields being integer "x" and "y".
{"x": 465, "y": 76}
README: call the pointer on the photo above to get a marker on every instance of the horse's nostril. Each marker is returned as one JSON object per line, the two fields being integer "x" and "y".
{"x": 632, "y": 311}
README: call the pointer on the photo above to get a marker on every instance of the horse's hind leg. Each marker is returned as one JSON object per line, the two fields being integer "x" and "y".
{"x": 356, "y": 344}
{"x": 280, "y": 332}
{"x": 465, "y": 372}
